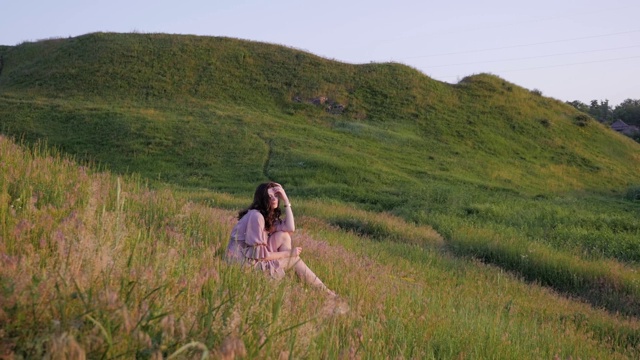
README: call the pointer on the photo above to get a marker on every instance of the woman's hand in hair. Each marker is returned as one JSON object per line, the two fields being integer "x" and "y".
{"x": 279, "y": 192}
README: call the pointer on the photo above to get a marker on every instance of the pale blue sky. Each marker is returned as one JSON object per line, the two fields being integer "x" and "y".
{"x": 570, "y": 50}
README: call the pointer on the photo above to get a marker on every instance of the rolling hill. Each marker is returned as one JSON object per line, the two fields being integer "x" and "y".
{"x": 503, "y": 174}
{"x": 211, "y": 111}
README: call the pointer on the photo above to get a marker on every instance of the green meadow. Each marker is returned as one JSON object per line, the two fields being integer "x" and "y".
{"x": 476, "y": 220}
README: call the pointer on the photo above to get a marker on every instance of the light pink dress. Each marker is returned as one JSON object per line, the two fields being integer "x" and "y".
{"x": 249, "y": 244}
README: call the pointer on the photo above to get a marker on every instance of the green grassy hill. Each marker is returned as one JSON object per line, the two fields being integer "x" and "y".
{"x": 174, "y": 106}
{"x": 503, "y": 174}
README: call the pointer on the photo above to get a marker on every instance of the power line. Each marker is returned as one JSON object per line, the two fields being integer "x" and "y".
{"x": 571, "y": 14}
{"x": 522, "y": 45}
{"x": 533, "y": 57}
{"x": 556, "y": 66}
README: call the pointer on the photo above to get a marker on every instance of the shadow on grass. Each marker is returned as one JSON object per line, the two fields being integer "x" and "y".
{"x": 594, "y": 283}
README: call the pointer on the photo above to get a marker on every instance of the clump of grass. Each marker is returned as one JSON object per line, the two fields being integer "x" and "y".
{"x": 581, "y": 120}
{"x": 633, "y": 193}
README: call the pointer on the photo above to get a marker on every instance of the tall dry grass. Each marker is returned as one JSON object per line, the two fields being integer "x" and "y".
{"x": 97, "y": 266}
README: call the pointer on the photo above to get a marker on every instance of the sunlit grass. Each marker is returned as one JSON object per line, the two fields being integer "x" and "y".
{"x": 103, "y": 266}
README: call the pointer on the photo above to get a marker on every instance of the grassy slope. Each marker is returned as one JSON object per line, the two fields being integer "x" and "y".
{"x": 505, "y": 175}
{"x": 105, "y": 267}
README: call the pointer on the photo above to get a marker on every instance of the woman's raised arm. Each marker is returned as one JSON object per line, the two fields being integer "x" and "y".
{"x": 289, "y": 224}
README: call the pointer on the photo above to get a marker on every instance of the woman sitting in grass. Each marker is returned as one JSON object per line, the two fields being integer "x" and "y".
{"x": 262, "y": 240}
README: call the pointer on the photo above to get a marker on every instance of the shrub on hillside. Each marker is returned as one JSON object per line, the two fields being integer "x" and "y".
{"x": 545, "y": 122}
{"x": 581, "y": 120}
{"x": 536, "y": 92}
{"x": 633, "y": 193}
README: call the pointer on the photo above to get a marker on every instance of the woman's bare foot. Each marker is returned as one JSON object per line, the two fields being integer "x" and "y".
{"x": 328, "y": 291}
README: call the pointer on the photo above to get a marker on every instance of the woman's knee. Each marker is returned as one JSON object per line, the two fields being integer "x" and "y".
{"x": 281, "y": 240}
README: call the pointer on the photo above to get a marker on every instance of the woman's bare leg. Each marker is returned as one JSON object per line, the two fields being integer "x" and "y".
{"x": 304, "y": 273}
{"x": 281, "y": 241}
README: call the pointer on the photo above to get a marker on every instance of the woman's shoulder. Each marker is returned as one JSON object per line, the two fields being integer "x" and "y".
{"x": 248, "y": 212}
{"x": 254, "y": 213}
{"x": 250, "y": 215}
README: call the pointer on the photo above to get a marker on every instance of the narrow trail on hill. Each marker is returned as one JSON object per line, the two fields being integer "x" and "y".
{"x": 265, "y": 167}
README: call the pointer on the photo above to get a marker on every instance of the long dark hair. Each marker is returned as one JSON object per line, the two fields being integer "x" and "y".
{"x": 262, "y": 203}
